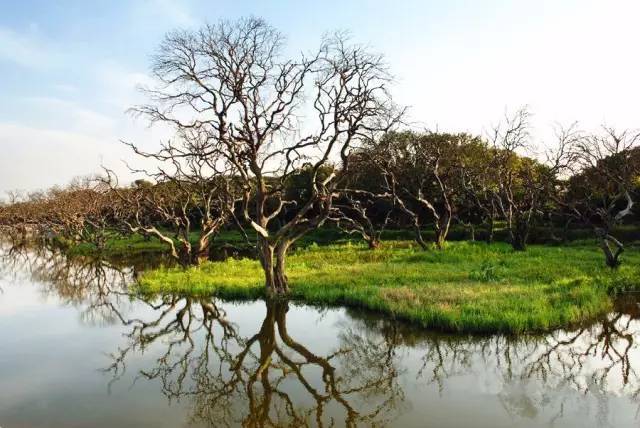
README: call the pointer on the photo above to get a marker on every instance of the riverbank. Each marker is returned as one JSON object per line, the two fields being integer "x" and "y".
{"x": 468, "y": 287}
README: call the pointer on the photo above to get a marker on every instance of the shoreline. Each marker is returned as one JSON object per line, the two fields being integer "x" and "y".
{"x": 467, "y": 288}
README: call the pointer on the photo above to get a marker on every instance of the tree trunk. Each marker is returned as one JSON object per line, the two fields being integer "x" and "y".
{"x": 612, "y": 258}
{"x": 419, "y": 239}
{"x": 490, "y": 231}
{"x": 200, "y": 252}
{"x": 442, "y": 230}
{"x": 518, "y": 243}
{"x": 272, "y": 258}
{"x": 519, "y": 235}
{"x": 185, "y": 255}
{"x": 282, "y": 282}
{"x": 565, "y": 232}
{"x": 440, "y": 239}
{"x": 373, "y": 243}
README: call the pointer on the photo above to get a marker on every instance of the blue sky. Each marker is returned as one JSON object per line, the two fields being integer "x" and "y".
{"x": 70, "y": 68}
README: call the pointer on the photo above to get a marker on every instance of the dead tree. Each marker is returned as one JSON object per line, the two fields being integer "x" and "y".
{"x": 78, "y": 212}
{"x": 601, "y": 191}
{"x": 421, "y": 173}
{"x": 354, "y": 210}
{"x": 270, "y": 116}
{"x": 478, "y": 184}
{"x": 189, "y": 194}
{"x": 523, "y": 184}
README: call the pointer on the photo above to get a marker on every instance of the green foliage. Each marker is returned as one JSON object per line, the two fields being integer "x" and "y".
{"x": 470, "y": 287}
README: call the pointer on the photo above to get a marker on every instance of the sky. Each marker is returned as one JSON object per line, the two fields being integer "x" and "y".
{"x": 69, "y": 69}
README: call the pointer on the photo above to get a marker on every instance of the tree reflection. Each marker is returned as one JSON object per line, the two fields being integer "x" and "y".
{"x": 96, "y": 285}
{"x": 272, "y": 377}
{"x": 535, "y": 372}
{"x": 268, "y": 378}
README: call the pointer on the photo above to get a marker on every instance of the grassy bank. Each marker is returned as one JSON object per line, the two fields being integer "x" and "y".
{"x": 469, "y": 287}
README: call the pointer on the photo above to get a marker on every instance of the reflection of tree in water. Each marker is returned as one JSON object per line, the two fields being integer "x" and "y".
{"x": 533, "y": 371}
{"x": 95, "y": 284}
{"x": 272, "y": 379}
{"x": 267, "y": 379}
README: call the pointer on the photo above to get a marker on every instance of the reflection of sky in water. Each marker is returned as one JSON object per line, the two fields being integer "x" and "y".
{"x": 63, "y": 328}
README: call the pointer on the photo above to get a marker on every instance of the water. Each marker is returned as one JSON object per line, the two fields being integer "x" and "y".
{"x": 78, "y": 350}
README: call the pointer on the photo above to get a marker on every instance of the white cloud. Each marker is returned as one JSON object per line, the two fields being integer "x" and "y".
{"x": 38, "y": 158}
{"x": 25, "y": 49}
{"x": 175, "y": 13}
{"x": 119, "y": 85}
{"x": 70, "y": 116}
{"x": 65, "y": 88}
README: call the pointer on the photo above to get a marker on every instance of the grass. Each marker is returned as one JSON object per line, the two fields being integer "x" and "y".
{"x": 468, "y": 287}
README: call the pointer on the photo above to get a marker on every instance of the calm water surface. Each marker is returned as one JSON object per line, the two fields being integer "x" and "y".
{"x": 78, "y": 350}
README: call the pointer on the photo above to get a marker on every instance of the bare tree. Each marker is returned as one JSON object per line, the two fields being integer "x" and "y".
{"x": 192, "y": 191}
{"x": 76, "y": 212}
{"x": 422, "y": 173}
{"x": 387, "y": 156}
{"x": 269, "y": 116}
{"x": 523, "y": 184}
{"x": 354, "y": 212}
{"x": 601, "y": 191}
{"x": 363, "y": 206}
{"x": 478, "y": 186}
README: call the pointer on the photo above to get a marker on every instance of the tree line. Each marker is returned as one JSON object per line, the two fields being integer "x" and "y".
{"x": 278, "y": 146}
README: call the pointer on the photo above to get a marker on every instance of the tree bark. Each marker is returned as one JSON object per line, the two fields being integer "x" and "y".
{"x": 612, "y": 258}
{"x": 490, "y": 231}
{"x": 282, "y": 282}
{"x": 518, "y": 243}
{"x": 273, "y": 258}
{"x": 419, "y": 239}
{"x": 373, "y": 243}
{"x": 519, "y": 232}
{"x": 442, "y": 230}
{"x": 201, "y": 251}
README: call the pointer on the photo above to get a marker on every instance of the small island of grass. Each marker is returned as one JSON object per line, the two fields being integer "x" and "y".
{"x": 468, "y": 287}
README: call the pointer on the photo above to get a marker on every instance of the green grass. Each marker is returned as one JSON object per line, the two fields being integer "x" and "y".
{"x": 468, "y": 287}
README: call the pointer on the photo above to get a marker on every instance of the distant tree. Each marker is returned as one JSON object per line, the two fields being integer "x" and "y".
{"x": 78, "y": 212}
{"x": 354, "y": 213}
{"x": 422, "y": 172}
{"x": 602, "y": 189}
{"x": 363, "y": 206}
{"x": 190, "y": 198}
{"x": 523, "y": 184}
{"x": 478, "y": 183}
